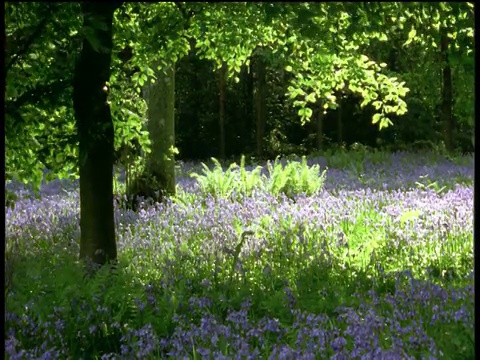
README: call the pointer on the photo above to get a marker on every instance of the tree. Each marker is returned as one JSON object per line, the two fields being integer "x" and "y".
{"x": 96, "y": 133}
{"x": 154, "y": 33}
{"x": 260, "y": 86}
{"x": 319, "y": 126}
{"x": 433, "y": 44}
{"x": 446, "y": 106}
{"x": 221, "y": 73}
{"x": 160, "y": 168}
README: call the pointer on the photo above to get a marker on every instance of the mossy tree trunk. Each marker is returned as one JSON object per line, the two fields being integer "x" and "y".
{"x": 159, "y": 176}
{"x": 95, "y": 132}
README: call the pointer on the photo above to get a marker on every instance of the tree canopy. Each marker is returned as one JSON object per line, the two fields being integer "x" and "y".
{"x": 387, "y": 56}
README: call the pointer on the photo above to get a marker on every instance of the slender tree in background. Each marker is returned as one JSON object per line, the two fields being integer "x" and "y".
{"x": 319, "y": 125}
{"x": 339, "y": 121}
{"x": 260, "y": 86}
{"x": 221, "y": 111}
{"x": 446, "y": 105}
{"x": 95, "y": 133}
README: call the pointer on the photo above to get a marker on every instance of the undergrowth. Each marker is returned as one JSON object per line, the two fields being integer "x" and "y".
{"x": 260, "y": 264}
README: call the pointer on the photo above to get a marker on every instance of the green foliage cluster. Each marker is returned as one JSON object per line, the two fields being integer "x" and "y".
{"x": 291, "y": 179}
{"x": 41, "y": 43}
{"x": 373, "y": 62}
{"x": 357, "y": 78}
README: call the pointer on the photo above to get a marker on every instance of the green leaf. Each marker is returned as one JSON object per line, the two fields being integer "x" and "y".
{"x": 411, "y": 36}
{"x": 377, "y": 104}
{"x": 305, "y": 113}
{"x": 311, "y": 98}
{"x": 376, "y": 118}
{"x": 385, "y": 122}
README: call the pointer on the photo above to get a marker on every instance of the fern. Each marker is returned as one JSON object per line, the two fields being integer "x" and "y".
{"x": 216, "y": 182}
{"x": 278, "y": 177}
{"x": 249, "y": 180}
{"x": 292, "y": 179}
{"x": 295, "y": 178}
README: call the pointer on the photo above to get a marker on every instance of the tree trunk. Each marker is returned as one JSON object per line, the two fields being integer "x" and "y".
{"x": 222, "y": 72}
{"x": 339, "y": 121}
{"x": 95, "y": 132}
{"x": 447, "y": 111}
{"x": 160, "y": 98}
{"x": 245, "y": 111}
{"x": 319, "y": 120}
{"x": 260, "y": 86}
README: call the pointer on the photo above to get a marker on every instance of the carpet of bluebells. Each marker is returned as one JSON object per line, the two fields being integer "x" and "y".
{"x": 378, "y": 264}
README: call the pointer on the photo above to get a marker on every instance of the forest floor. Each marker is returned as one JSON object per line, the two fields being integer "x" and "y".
{"x": 372, "y": 258}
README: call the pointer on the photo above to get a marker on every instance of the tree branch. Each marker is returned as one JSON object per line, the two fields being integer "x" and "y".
{"x": 42, "y": 92}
